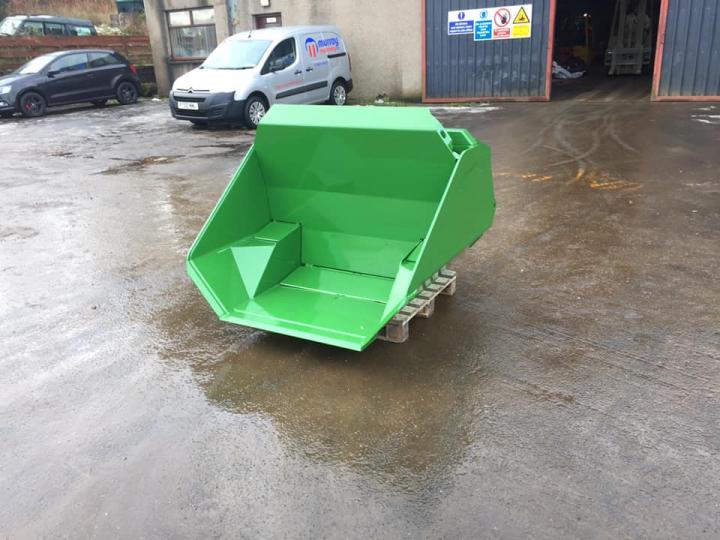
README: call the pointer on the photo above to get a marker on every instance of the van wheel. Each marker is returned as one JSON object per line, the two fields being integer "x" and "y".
{"x": 255, "y": 109}
{"x": 126, "y": 93}
{"x": 338, "y": 94}
{"x": 32, "y": 105}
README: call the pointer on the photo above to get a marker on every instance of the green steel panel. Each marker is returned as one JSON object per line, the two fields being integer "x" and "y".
{"x": 337, "y": 216}
{"x": 354, "y": 253}
{"x": 332, "y": 319}
{"x": 329, "y": 281}
{"x": 267, "y": 257}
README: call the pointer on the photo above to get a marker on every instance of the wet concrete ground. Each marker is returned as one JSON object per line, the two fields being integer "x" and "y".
{"x": 569, "y": 389}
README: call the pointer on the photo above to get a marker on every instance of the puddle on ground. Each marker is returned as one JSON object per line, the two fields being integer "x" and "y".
{"x": 139, "y": 164}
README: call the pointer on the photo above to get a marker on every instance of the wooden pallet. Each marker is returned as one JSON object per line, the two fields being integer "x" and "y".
{"x": 397, "y": 330}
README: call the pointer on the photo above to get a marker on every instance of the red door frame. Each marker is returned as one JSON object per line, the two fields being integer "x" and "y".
{"x": 657, "y": 72}
{"x": 548, "y": 68}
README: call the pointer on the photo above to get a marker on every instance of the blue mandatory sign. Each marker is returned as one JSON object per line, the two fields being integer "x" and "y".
{"x": 460, "y": 27}
{"x": 483, "y": 30}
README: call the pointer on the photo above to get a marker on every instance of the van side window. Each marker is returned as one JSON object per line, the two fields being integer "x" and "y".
{"x": 54, "y": 29}
{"x": 32, "y": 28}
{"x": 283, "y": 56}
{"x": 74, "y": 30}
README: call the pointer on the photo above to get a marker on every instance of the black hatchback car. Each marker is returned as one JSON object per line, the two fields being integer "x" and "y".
{"x": 67, "y": 77}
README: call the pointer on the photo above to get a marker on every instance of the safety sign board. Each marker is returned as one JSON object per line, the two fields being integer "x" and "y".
{"x": 460, "y": 27}
{"x": 486, "y": 24}
{"x": 521, "y": 17}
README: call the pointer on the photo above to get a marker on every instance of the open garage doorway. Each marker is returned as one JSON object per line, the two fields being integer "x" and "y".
{"x": 604, "y": 50}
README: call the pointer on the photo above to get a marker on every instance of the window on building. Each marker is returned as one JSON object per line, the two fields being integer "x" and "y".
{"x": 192, "y": 32}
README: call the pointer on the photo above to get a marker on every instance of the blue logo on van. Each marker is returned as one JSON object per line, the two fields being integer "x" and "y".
{"x": 324, "y": 46}
{"x": 311, "y": 47}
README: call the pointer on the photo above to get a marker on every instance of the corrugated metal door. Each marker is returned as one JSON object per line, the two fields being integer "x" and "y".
{"x": 690, "y": 55}
{"x": 457, "y": 68}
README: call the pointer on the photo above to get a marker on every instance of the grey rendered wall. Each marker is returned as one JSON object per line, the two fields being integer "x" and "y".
{"x": 166, "y": 69}
{"x": 458, "y": 67}
{"x": 691, "y": 55}
{"x": 383, "y": 37}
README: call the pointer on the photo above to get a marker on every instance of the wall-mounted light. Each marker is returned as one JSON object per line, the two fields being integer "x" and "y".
{"x": 265, "y": 3}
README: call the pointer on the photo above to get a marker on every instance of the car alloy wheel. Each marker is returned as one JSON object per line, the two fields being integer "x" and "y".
{"x": 256, "y": 112}
{"x": 32, "y": 104}
{"x": 127, "y": 93}
{"x": 339, "y": 95}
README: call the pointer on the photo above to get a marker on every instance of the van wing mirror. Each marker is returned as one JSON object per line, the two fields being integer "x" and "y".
{"x": 52, "y": 73}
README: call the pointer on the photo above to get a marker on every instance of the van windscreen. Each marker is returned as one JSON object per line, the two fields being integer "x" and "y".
{"x": 237, "y": 54}
{"x": 9, "y": 26}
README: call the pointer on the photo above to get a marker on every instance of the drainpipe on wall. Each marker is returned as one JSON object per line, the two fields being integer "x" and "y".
{"x": 232, "y": 15}
{"x": 223, "y": 28}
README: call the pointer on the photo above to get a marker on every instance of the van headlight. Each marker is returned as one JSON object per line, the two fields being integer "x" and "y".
{"x": 5, "y": 90}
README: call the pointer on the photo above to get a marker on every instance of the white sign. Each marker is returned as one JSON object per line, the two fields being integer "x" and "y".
{"x": 505, "y": 22}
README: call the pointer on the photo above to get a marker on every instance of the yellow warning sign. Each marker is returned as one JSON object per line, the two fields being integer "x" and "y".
{"x": 521, "y": 17}
{"x": 520, "y": 31}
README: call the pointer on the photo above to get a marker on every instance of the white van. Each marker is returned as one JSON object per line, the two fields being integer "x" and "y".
{"x": 249, "y": 72}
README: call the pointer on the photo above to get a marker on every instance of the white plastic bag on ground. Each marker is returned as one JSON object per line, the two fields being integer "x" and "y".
{"x": 560, "y": 72}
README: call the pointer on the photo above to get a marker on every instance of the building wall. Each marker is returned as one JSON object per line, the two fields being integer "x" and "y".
{"x": 691, "y": 53}
{"x": 459, "y": 68}
{"x": 383, "y": 37}
{"x": 167, "y": 69}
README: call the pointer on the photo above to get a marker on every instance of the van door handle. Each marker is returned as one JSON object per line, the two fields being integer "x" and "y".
{"x": 309, "y": 69}
{"x": 298, "y": 72}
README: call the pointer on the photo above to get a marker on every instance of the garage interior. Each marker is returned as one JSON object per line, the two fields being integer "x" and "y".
{"x": 588, "y": 32}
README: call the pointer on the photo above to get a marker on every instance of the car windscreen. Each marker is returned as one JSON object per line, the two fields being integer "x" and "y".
{"x": 237, "y": 54}
{"x": 9, "y": 26}
{"x": 36, "y": 65}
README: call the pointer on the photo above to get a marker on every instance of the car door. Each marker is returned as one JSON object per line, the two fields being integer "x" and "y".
{"x": 315, "y": 48}
{"x": 67, "y": 80}
{"x": 104, "y": 69}
{"x": 283, "y": 73}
